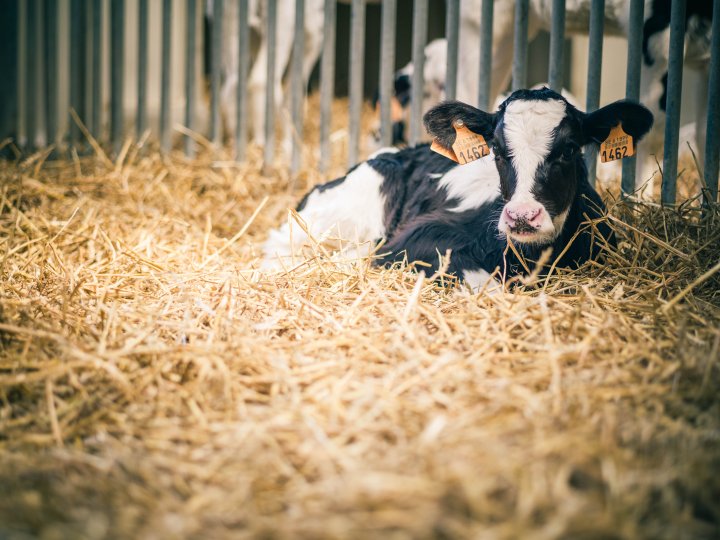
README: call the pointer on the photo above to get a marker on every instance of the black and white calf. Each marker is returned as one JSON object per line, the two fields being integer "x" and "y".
{"x": 532, "y": 188}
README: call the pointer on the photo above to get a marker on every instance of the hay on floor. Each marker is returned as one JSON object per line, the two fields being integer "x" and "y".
{"x": 153, "y": 384}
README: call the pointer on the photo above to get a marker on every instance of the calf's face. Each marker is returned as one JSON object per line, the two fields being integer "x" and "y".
{"x": 536, "y": 139}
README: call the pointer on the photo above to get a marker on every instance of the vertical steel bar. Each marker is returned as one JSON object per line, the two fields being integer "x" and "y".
{"x": 77, "y": 30}
{"x": 327, "y": 82}
{"x": 712, "y": 141}
{"x": 595, "y": 50}
{"x": 269, "y": 150}
{"x": 10, "y": 36}
{"x": 452, "y": 32}
{"x": 420, "y": 19}
{"x": 117, "y": 60}
{"x": 87, "y": 45}
{"x": 165, "y": 76}
{"x": 674, "y": 96}
{"x": 387, "y": 69}
{"x": 31, "y": 73}
{"x": 520, "y": 45}
{"x": 190, "y": 44}
{"x": 357, "y": 62}
{"x": 243, "y": 67}
{"x": 96, "y": 113}
{"x": 215, "y": 63}
{"x": 557, "y": 45}
{"x": 486, "y": 35}
{"x": 297, "y": 88}
{"x": 51, "y": 66}
{"x": 632, "y": 81}
{"x": 141, "y": 113}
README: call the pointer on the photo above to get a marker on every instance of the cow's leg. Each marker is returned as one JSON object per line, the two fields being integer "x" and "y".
{"x": 230, "y": 59}
{"x": 701, "y": 113}
{"x": 258, "y": 73}
{"x": 347, "y": 212}
{"x": 653, "y": 93}
{"x": 314, "y": 18}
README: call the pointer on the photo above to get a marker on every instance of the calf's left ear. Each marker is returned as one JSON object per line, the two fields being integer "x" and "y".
{"x": 441, "y": 119}
{"x": 635, "y": 119}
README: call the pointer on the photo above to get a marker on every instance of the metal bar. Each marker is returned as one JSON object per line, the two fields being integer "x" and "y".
{"x": 77, "y": 51}
{"x": 632, "y": 82}
{"x": 452, "y": 32}
{"x": 712, "y": 141}
{"x": 51, "y": 67}
{"x": 557, "y": 45}
{"x": 190, "y": 43}
{"x": 520, "y": 45}
{"x": 243, "y": 67}
{"x": 357, "y": 61}
{"x": 297, "y": 88}
{"x": 31, "y": 74}
{"x": 10, "y": 35}
{"x": 420, "y": 18}
{"x": 269, "y": 150}
{"x": 387, "y": 69}
{"x": 141, "y": 121}
{"x": 165, "y": 76}
{"x": 595, "y": 49}
{"x": 215, "y": 63}
{"x": 87, "y": 45}
{"x": 96, "y": 113}
{"x": 117, "y": 59}
{"x": 486, "y": 35}
{"x": 674, "y": 97}
{"x": 327, "y": 82}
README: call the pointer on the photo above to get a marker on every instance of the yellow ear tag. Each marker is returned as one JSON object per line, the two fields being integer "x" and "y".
{"x": 618, "y": 145}
{"x": 468, "y": 146}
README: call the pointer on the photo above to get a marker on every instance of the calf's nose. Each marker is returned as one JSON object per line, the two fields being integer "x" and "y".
{"x": 528, "y": 213}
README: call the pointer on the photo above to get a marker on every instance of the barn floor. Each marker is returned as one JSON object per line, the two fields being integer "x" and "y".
{"x": 153, "y": 385}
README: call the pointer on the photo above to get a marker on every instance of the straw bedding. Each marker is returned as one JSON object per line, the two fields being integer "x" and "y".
{"x": 154, "y": 385}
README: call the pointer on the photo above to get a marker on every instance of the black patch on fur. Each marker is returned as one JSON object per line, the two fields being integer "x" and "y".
{"x": 398, "y": 133}
{"x": 663, "y": 98}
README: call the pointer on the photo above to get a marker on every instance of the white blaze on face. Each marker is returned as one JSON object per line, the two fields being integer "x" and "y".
{"x": 528, "y": 129}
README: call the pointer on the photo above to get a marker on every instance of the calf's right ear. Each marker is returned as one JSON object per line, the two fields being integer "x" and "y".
{"x": 440, "y": 122}
{"x": 635, "y": 119}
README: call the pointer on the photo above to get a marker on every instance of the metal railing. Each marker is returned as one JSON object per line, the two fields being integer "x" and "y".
{"x": 90, "y": 49}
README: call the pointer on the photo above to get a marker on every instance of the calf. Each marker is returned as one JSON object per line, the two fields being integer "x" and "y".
{"x": 531, "y": 189}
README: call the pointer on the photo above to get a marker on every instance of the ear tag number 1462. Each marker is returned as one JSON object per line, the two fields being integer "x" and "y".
{"x": 468, "y": 146}
{"x": 618, "y": 145}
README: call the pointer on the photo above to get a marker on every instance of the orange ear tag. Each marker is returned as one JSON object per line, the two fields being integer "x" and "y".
{"x": 447, "y": 152}
{"x": 468, "y": 146}
{"x": 396, "y": 110}
{"x": 618, "y": 145}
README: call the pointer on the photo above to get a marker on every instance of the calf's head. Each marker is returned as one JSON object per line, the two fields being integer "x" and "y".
{"x": 536, "y": 138}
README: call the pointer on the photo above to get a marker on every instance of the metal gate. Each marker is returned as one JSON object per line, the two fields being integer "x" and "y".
{"x": 90, "y": 39}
